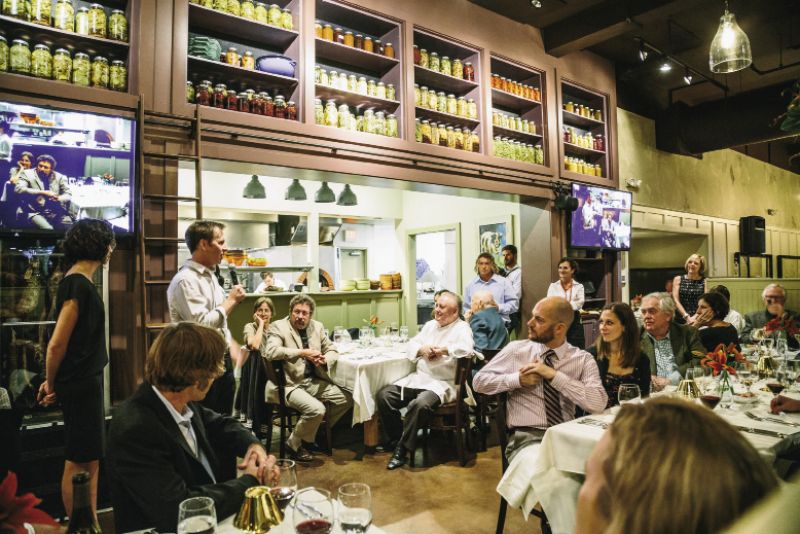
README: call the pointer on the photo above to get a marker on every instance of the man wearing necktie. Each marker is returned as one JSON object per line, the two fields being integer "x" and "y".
{"x": 545, "y": 377}
{"x": 165, "y": 446}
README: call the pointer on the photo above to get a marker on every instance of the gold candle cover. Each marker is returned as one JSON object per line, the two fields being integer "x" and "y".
{"x": 259, "y": 512}
{"x": 687, "y": 389}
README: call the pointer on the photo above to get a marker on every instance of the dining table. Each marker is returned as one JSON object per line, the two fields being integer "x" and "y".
{"x": 551, "y": 473}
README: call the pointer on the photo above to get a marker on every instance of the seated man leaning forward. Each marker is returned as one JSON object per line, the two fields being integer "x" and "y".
{"x": 488, "y": 329}
{"x": 545, "y": 377}
{"x": 435, "y": 349}
{"x": 164, "y": 446}
{"x": 300, "y": 342}
{"x": 774, "y": 296}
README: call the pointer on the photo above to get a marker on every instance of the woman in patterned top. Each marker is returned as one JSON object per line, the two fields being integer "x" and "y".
{"x": 687, "y": 288}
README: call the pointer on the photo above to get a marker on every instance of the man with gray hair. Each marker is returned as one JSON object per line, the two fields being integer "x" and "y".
{"x": 774, "y": 296}
{"x": 667, "y": 344}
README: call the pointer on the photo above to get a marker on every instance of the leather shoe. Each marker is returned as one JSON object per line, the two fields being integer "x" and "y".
{"x": 398, "y": 458}
{"x": 300, "y": 455}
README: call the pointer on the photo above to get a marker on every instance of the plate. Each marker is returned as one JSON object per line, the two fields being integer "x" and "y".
{"x": 740, "y": 399}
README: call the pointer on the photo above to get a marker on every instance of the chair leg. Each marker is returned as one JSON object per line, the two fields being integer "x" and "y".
{"x": 328, "y": 433}
{"x": 501, "y": 516}
{"x": 268, "y": 416}
{"x": 284, "y": 421}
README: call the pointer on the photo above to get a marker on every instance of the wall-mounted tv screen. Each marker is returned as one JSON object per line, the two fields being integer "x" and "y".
{"x": 59, "y": 166}
{"x": 602, "y": 220}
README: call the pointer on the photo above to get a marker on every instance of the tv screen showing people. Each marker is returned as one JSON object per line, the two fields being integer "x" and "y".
{"x": 602, "y": 220}
{"x": 59, "y": 166}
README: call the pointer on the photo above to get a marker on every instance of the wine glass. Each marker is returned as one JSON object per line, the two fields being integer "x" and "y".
{"x": 403, "y": 334}
{"x": 283, "y": 490}
{"x": 791, "y": 375}
{"x": 313, "y": 511}
{"x": 355, "y": 508}
{"x": 745, "y": 374}
{"x": 364, "y": 334}
{"x": 197, "y": 515}
{"x": 781, "y": 347}
{"x": 628, "y": 393}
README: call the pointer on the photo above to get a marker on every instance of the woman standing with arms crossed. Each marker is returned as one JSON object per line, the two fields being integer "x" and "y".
{"x": 571, "y": 290}
{"x": 77, "y": 354}
{"x": 687, "y": 288}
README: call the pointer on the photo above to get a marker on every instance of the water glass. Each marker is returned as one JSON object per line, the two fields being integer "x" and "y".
{"x": 629, "y": 393}
{"x": 313, "y": 511}
{"x": 403, "y": 334}
{"x": 364, "y": 334}
{"x": 284, "y": 489}
{"x": 355, "y": 508}
{"x": 781, "y": 347}
{"x": 197, "y": 515}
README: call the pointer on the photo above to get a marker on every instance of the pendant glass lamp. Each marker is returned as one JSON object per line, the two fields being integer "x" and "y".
{"x": 324, "y": 194}
{"x": 295, "y": 191}
{"x": 254, "y": 189}
{"x": 347, "y": 197}
{"x": 730, "y": 49}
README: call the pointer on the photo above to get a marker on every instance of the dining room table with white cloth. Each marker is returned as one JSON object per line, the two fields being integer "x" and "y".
{"x": 551, "y": 473}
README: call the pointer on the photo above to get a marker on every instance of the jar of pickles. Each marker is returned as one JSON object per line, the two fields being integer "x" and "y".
{"x": 100, "y": 72}
{"x": 247, "y": 10}
{"x": 81, "y": 69}
{"x": 3, "y": 54}
{"x": 118, "y": 26}
{"x": 352, "y": 83}
{"x": 190, "y": 92}
{"x": 391, "y": 92}
{"x": 97, "y": 21}
{"x": 452, "y": 104}
{"x": 221, "y": 5}
{"x": 380, "y": 90}
{"x": 418, "y": 130}
{"x": 426, "y": 132}
{"x": 433, "y": 99}
{"x": 331, "y": 114}
{"x": 287, "y": 20}
{"x": 248, "y": 61}
{"x": 472, "y": 109}
{"x": 423, "y": 58}
{"x": 261, "y": 13}
{"x": 361, "y": 86}
{"x": 391, "y": 126}
{"x": 461, "y": 106}
{"x": 232, "y": 57}
{"x": 380, "y": 123}
{"x": 40, "y": 12}
{"x": 64, "y": 18}
{"x": 441, "y": 102}
{"x": 319, "y": 112}
{"x": 445, "y": 67}
{"x": 20, "y": 57}
{"x": 433, "y": 62}
{"x": 82, "y": 21}
{"x": 324, "y": 79}
{"x": 41, "y": 62}
{"x": 457, "y": 68}
{"x": 118, "y": 76}
{"x": 16, "y": 8}
{"x": 417, "y": 95}
{"x": 371, "y": 88}
{"x": 234, "y": 8}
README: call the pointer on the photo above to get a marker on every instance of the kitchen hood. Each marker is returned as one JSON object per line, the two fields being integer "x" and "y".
{"x": 293, "y": 230}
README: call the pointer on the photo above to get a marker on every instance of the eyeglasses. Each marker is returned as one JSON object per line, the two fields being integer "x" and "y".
{"x": 774, "y": 298}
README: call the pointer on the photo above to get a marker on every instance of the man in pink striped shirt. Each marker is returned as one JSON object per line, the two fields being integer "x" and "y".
{"x": 545, "y": 376}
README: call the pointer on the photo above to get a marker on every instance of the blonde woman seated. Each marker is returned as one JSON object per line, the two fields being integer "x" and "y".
{"x": 488, "y": 329}
{"x": 667, "y": 466}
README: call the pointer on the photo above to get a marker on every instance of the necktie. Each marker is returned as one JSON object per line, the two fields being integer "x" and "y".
{"x": 552, "y": 398}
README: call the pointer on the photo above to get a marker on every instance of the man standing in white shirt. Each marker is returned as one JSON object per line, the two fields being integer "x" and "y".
{"x": 513, "y": 274}
{"x": 488, "y": 280}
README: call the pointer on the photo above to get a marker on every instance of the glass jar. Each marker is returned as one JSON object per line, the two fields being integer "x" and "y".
{"x": 442, "y": 134}
{"x": 16, "y": 8}
{"x": 457, "y": 69}
{"x": 19, "y": 57}
{"x": 417, "y": 95}
{"x": 247, "y": 10}
{"x": 118, "y": 76}
{"x": 423, "y": 58}
{"x": 327, "y": 32}
{"x": 388, "y": 50}
{"x": 377, "y": 46}
{"x": 598, "y": 115}
{"x": 349, "y": 39}
{"x": 416, "y": 55}
{"x": 451, "y": 137}
{"x": 380, "y": 90}
{"x": 426, "y": 132}
{"x": 459, "y": 139}
{"x": 434, "y": 133}
{"x": 3, "y": 54}
{"x": 371, "y": 88}
{"x": 361, "y": 86}
{"x": 358, "y": 41}
{"x": 466, "y": 137}
{"x": 369, "y": 46}
{"x": 268, "y": 103}
{"x": 231, "y": 100}
{"x": 248, "y": 61}
{"x": 469, "y": 71}
{"x": 324, "y": 79}
{"x": 391, "y": 126}
{"x": 190, "y": 92}
{"x": 391, "y": 92}
{"x": 461, "y": 106}
{"x": 333, "y": 79}
{"x": 40, "y": 11}
{"x": 433, "y": 99}
{"x": 352, "y": 83}
{"x": 118, "y": 26}
{"x": 319, "y": 112}
{"x": 318, "y": 29}
{"x": 291, "y": 110}
{"x": 369, "y": 121}
{"x": 280, "y": 107}
{"x": 82, "y": 21}
{"x": 232, "y": 57}
{"x": 203, "y": 94}
{"x": 287, "y": 19}
{"x": 274, "y": 15}
{"x": 243, "y": 104}
{"x": 342, "y": 83}
{"x": 81, "y": 69}
{"x": 433, "y": 62}
{"x": 338, "y": 35}
{"x": 100, "y": 72}
{"x": 97, "y": 21}
{"x": 64, "y": 18}
{"x": 234, "y": 8}
{"x": 218, "y": 99}
{"x": 380, "y": 123}
{"x": 518, "y": 124}
{"x": 418, "y": 130}
{"x": 495, "y": 118}
{"x": 472, "y": 109}
{"x": 445, "y": 67}
{"x": 41, "y": 62}
{"x": 221, "y": 5}
{"x": 452, "y": 104}
{"x": 441, "y": 102}
{"x": 262, "y": 13}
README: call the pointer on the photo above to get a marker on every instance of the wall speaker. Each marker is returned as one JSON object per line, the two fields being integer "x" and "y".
{"x": 752, "y": 235}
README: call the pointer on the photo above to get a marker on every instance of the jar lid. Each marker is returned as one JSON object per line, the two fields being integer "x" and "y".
{"x": 189, "y": 82}
{"x": 367, "y": 38}
{"x": 352, "y": 76}
{"x": 250, "y": 92}
{"x": 424, "y": 87}
{"x": 348, "y": 33}
{"x": 242, "y": 95}
{"x": 2, "y": 38}
{"x": 362, "y": 79}
{"x": 327, "y": 26}
{"x": 95, "y": 6}
{"x": 100, "y": 58}
{"x": 118, "y": 63}
{"x": 83, "y": 10}
{"x": 416, "y": 46}
{"x": 338, "y": 29}
{"x": 434, "y": 54}
{"x": 390, "y": 85}
{"x": 426, "y": 121}
{"x": 278, "y": 96}
{"x": 231, "y": 49}
{"x": 82, "y": 55}
{"x": 451, "y": 95}
{"x": 274, "y": 5}
{"x": 359, "y": 35}
{"x": 445, "y": 57}
{"x": 231, "y": 92}
{"x": 287, "y": 10}
{"x": 219, "y": 86}
{"x": 20, "y": 41}
{"x": 440, "y": 93}
{"x": 290, "y": 103}
{"x": 423, "y": 49}
{"x": 449, "y": 127}
{"x": 206, "y": 82}
{"x": 117, "y": 11}
{"x": 388, "y": 44}
{"x": 381, "y": 83}
{"x": 390, "y": 116}
{"x": 248, "y": 53}
{"x": 41, "y": 46}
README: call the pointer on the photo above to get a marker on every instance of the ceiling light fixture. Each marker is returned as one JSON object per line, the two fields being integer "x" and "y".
{"x": 295, "y": 191}
{"x": 687, "y": 77}
{"x": 347, "y": 197}
{"x": 665, "y": 67}
{"x": 254, "y": 189}
{"x": 536, "y": 3}
{"x": 324, "y": 194}
{"x": 730, "y": 49}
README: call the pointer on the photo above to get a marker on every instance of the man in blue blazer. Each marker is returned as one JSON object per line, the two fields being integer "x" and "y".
{"x": 488, "y": 328}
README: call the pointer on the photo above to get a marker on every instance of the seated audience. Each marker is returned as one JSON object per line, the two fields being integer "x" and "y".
{"x": 435, "y": 350}
{"x": 545, "y": 377}
{"x": 668, "y": 345}
{"x": 488, "y": 329}
{"x": 733, "y": 318}
{"x": 774, "y": 296}
{"x": 250, "y": 394}
{"x": 619, "y": 353}
{"x": 165, "y": 446}
{"x": 711, "y": 310}
{"x": 488, "y": 280}
{"x": 268, "y": 280}
{"x": 677, "y": 451}
{"x": 300, "y": 342}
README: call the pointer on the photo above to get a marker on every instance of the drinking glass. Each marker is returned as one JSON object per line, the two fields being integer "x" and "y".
{"x": 355, "y": 508}
{"x": 403, "y": 334}
{"x": 197, "y": 515}
{"x": 745, "y": 374}
{"x": 284, "y": 489}
{"x": 385, "y": 332}
{"x": 313, "y": 511}
{"x": 781, "y": 347}
{"x": 769, "y": 342}
{"x": 629, "y": 393}
{"x": 364, "y": 335}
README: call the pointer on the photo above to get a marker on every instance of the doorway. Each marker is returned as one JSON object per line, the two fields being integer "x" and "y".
{"x": 436, "y": 264}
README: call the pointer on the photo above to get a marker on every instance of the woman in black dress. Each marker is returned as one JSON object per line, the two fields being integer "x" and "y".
{"x": 711, "y": 311}
{"x": 687, "y": 288}
{"x": 77, "y": 354}
{"x": 618, "y": 353}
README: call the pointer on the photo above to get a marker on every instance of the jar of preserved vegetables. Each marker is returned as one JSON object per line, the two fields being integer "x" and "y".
{"x": 234, "y": 8}
{"x": 418, "y": 95}
{"x": 358, "y": 41}
{"x": 426, "y": 132}
{"x": 118, "y": 26}
{"x": 391, "y": 92}
{"x": 472, "y": 109}
{"x": 64, "y": 18}
{"x": 280, "y": 107}
{"x": 327, "y": 32}
{"x": 287, "y": 20}
{"x": 190, "y": 92}
{"x": 423, "y": 58}
{"x": 518, "y": 124}
{"x": 441, "y": 102}
{"x": 388, "y": 50}
{"x": 380, "y": 90}
{"x": 416, "y": 55}
{"x": 97, "y": 21}
{"x": 248, "y": 61}
{"x": 391, "y": 126}
{"x": 369, "y": 121}
{"x": 445, "y": 67}
{"x": 81, "y": 69}
{"x": 243, "y": 105}
{"x": 352, "y": 83}
{"x": 247, "y": 9}
{"x": 442, "y": 134}
{"x": 469, "y": 71}
{"x": 274, "y": 15}
{"x": 218, "y": 99}
{"x": 466, "y": 137}
{"x": 380, "y": 123}
{"x": 82, "y": 21}
{"x": 203, "y": 94}
{"x": 221, "y": 5}
{"x": 452, "y": 104}
{"x": 318, "y": 29}
{"x": 457, "y": 68}
{"x": 433, "y": 62}
{"x": 342, "y": 81}
{"x": 231, "y": 100}
{"x": 262, "y": 13}
{"x": 269, "y": 104}
{"x": 461, "y": 106}
{"x": 3, "y": 54}
{"x": 16, "y": 8}
{"x": 369, "y": 46}
{"x": 361, "y": 86}
{"x": 349, "y": 39}
{"x": 256, "y": 102}
{"x": 118, "y": 76}
{"x": 371, "y": 88}
{"x": 459, "y": 135}
{"x": 331, "y": 114}
{"x": 418, "y": 130}
{"x": 41, "y": 62}
{"x": 40, "y": 11}
{"x": 319, "y": 112}
{"x": 324, "y": 79}
{"x": 232, "y": 57}
{"x": 19, "y": 57}
{"x": 291, "y": 110}
{"x": 451, "y": 137}
{"x": 377, "y": 46}
{"x": 100, "y": 72}
{"x": 433, "y": 99}
{"x": 338, "y": 35}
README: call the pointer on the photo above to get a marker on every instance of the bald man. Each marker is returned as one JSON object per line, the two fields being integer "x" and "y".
{"x": 545, "y": 377}
{"x": 488, "y": 328}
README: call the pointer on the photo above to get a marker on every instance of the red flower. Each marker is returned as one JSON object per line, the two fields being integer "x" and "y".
{"x": 721, "y": 359}
{"x": 16, "y": 511}
{"x": 781, "y": 324}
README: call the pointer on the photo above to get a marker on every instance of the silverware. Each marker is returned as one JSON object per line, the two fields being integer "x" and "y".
{"x": 751, "y": 415}
{"x": 762, "y": 432}
{"x": 593, "y": 422}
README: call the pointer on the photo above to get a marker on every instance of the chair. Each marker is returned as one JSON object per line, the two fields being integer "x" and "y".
{"x": 277, "y": 376}
{"x": 483, "y": 411}
{"x": 452, "y": 416}
{"x": 250, "y": 399}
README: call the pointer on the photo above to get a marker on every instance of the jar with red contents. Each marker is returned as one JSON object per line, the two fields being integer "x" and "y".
{"x": 257, "y": 105}
{"x": 269, "y": 105}
{"x": 244, "y": 103}
{"x": 203, "y": 95}
{"x": 232, "y": 101}
{"x": 280, "y": 107}
{"x": 219, "y": 96}
{"x": 496, "y": 81}
{"x": 469, "y": 72}
{"x": 599, "y": 144}
{"x": 291, "y": 110}
{"x": 417, "y": 55}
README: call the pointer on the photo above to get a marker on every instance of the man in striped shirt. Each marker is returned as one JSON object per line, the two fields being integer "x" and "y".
{"x": 545, "y": 377}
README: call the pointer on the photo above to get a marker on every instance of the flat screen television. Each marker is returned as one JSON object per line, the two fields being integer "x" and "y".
{"x": 602, "y": 220}
{"x": 58, "y": 166}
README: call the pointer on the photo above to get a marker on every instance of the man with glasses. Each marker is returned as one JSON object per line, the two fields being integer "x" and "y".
{"x": 774, "y": 296}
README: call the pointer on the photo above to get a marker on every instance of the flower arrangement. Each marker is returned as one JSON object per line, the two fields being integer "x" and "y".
{"x": 15, "y": 510}
{"x": 782, "y": 324}
{"x": 373, "y": 322}
{"x": 722, "y": 362}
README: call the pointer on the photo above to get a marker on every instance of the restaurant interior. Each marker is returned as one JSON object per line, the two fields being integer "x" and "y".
{"x": 365, "y": 153}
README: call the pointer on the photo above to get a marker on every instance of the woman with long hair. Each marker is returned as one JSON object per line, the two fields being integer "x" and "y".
{"x": 77, "y": 354}
{"x": 687, "y": 288}
{"x": 618, "y": 353}
{"x": 572, "y": 290}
{"x": 250, "y": 400}
{"x": 712, "y": 308}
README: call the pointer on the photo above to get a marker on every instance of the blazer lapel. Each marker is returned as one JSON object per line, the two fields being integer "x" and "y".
{"x": 168, "y": 422}
{"x": 202, "y": 439}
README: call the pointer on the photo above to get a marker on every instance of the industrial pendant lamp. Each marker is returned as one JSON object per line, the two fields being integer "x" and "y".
{"x": 295, "y": 191}
{"x": 324, "y": 194}
{"x": 347, "y": 197}
{"x": 730, "y": 49}
{"x": 254, "y": 189}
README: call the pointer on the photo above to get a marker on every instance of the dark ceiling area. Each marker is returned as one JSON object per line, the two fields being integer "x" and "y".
{"x": 736, "y": 110}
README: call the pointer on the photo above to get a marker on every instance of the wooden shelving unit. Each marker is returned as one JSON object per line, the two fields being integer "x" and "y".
{"x": 580, "y": 125}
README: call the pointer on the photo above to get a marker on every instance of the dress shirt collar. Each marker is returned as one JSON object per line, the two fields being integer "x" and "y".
{"x": 665, "y": 338}
{"x": 199, "y": 267}
{"x": 180, "y": 418}
{"x": 509, "y": 271}
{"x": 494, "y": 279}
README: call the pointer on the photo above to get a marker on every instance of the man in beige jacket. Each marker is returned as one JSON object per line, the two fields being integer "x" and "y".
{"x": 300, "y": 342}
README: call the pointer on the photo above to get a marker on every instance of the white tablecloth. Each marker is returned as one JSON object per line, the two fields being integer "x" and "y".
{"x": 552, "y": 472}
{"x": 364, "y": 371}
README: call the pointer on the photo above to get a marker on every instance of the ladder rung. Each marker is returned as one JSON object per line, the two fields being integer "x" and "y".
{"x": 157, "y": 326}
{"x": 169, "y": 156}
{"x": 157, "y": 282}
{"x": 164, "y": 239}
{"x": 179, "y": 198}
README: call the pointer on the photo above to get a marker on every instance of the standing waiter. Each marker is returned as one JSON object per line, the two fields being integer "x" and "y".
{"x": 195, "y": 295}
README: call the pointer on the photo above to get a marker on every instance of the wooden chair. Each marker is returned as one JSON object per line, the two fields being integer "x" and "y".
{"x": 277, "y": 376}
{"x": 483, "y": 403}
{"x": 452, "y": 416}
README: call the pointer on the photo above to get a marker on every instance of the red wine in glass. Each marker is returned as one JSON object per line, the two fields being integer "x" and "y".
{"x": 313, "y": 526}
{"x": 282, "y": 496}
{"x": 775, "y": 387}
{"x": 710, "y": 401}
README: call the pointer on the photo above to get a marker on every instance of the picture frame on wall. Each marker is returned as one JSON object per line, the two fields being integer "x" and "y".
{"x": 494, "y": 234}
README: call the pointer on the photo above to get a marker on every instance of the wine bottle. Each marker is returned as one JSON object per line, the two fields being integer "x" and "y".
{"x": 82, "y": 520}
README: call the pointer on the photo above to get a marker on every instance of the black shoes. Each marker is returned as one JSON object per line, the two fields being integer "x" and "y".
{"x": 299, "y": 455}
{"x": 398, "y": 458}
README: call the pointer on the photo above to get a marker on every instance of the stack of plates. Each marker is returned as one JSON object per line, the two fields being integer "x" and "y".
{"x": 204, "y": 47}
{"x": 363, "y": 284}
{"x": 348, "y": 285}
{"x": 396, "y": 281}
{"x": 386, "y": 281}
